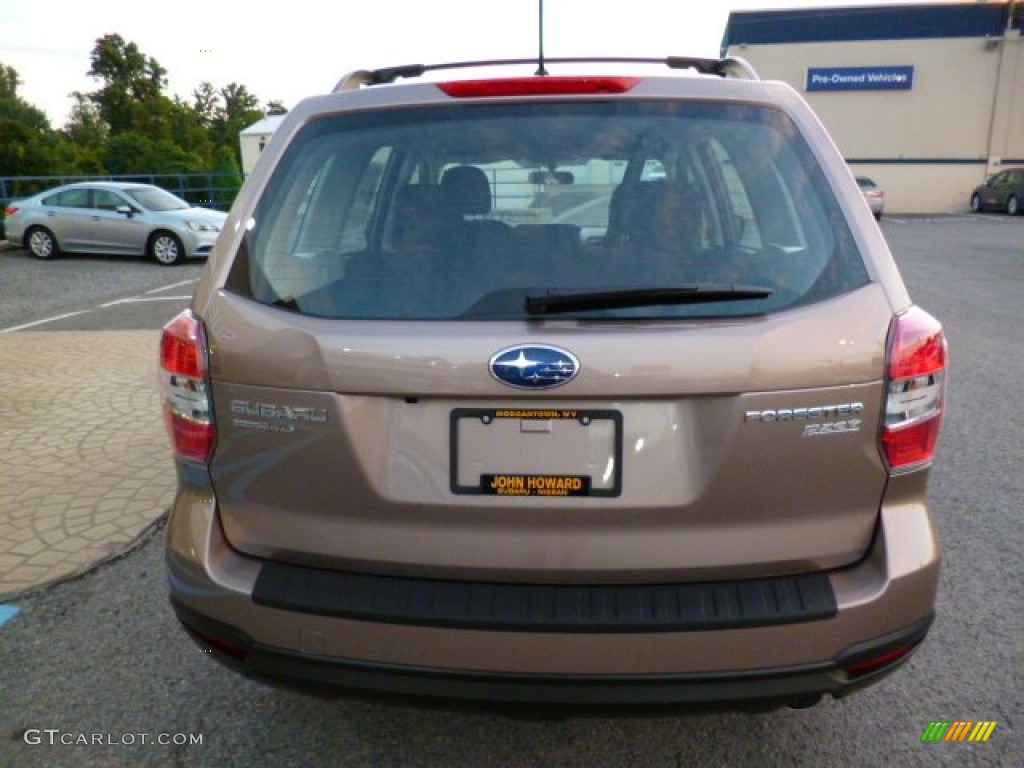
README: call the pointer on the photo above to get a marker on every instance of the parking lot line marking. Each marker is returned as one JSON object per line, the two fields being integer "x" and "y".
{"x": 41, "y": 322}
{"x": 8, "y": 612}
{"x": 142, "y": 300}
{"x": 172, "y": 285}
{"x": 951, "y": 217}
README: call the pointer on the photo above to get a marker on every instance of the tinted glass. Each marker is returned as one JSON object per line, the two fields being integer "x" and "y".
{"x": 69, "y": 198}
{"x": 462, "y": 212}
{"x": 156, "y": 199}
{"x": 106, "y": 200}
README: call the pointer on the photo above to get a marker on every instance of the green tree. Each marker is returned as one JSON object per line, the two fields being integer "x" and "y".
{"x": 239, "y": 103}
{"x": 135, "y": 152}
{"x": 128, "y": 152}
{"x": 88, "y": 161}
{"x": 206, "y": 103}
{"x": 130, "y": 80}
{"x": 20, "y": 111}
{"x": 26, "y": 148}
{"x": 276, "y": 107}
{"x": 191, "y": 131}
{"x": 23, "y": 151}
{"x": 9, "y": 82}
{"x": 231, "y": 181}
{"x": 63, "y": 154}
{"x": 239, "y": 110}
{"x": 86, "y": 126}
{"x": 160, "y": 134}
{"x": 168, "y": 157}
{"x": 86, "y": 134}
{"x": 129, "y": 125}
{"x": 15, "y": 108}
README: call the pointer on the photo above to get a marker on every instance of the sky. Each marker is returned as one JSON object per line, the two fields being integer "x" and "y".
{"x": 291, "y": 49}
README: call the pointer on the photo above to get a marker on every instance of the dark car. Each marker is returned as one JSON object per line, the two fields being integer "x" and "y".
{"x": 1002, "y": 192}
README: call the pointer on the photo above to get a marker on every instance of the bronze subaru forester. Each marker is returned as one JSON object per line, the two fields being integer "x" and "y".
{"x": 555, "y": 389}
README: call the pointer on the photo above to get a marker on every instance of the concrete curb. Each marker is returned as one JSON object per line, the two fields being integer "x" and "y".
{"x": 123, "y": 550}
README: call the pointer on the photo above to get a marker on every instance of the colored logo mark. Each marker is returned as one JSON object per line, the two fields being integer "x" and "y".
{"x": 958, "y": 730}
{"x": 534, "y": 366}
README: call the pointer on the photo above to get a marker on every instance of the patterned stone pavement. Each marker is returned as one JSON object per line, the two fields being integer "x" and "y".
{"x": 85, "y": 465}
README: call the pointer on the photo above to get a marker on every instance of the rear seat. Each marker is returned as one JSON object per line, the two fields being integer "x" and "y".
{"x": 466, "y": 192}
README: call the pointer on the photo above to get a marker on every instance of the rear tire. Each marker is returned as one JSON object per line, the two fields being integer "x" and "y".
{"x": 1013, "y": 205}
{"x": 975, "y": 203}
{"x": 166, "y": 248}
{"x": 42, "y": 244}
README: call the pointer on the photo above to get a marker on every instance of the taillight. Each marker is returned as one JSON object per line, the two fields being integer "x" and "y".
{"x": 183, "y": 381}
{"x": 10, "y": 210}
{"x": 537, "y": 86}
{"x": 914, "y": 390}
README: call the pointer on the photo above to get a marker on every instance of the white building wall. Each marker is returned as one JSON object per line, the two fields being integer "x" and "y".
{"x": 928, "y": 147}
{"x": 253, "y": 139}
{"x": 252, "y": 145}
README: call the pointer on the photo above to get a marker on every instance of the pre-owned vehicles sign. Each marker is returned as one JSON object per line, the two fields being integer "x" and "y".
{"x": 859, "y": 79}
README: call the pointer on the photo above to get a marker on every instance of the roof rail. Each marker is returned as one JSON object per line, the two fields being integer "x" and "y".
{"x": 727, "y": 67}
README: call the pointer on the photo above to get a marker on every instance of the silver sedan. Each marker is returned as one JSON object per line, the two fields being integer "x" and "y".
{"x": 112, "y": 217}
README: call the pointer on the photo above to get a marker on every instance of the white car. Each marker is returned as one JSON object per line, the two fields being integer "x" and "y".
{"x": 112, "y": 217}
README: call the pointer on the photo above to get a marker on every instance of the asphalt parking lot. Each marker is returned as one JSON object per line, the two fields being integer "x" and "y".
{"x": 90, "y": 292}
{"x": 101, "y": 655}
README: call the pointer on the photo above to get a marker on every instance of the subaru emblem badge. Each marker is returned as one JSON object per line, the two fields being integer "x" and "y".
{"x": 534, "y": 366}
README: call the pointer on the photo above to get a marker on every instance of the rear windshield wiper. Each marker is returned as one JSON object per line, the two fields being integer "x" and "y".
{"x": 555, "y": 303}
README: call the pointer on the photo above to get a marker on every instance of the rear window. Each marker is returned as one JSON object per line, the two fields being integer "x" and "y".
{"x": 470, "y": 211}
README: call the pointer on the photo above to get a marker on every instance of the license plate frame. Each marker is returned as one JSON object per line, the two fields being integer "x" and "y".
{"x": 538, "y": 484}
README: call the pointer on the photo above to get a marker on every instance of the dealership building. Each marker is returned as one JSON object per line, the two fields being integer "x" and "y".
{"x": 928, "y": 100}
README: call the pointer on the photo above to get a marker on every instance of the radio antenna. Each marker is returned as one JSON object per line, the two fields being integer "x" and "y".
{"x": 540, "y": 42}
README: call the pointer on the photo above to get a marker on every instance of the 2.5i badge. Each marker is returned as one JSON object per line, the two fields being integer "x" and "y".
{"x": 832, "y": 428}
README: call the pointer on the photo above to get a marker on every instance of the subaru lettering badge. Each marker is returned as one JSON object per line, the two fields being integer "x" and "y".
{"x": 534, "y": 366}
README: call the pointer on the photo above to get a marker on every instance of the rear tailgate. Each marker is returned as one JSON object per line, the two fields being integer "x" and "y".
{"x": 682, "y": 450}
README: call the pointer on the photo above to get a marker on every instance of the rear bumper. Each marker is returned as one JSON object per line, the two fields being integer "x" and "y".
{"x": 763, "y": 687}
{"x": 883, "y": 607}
